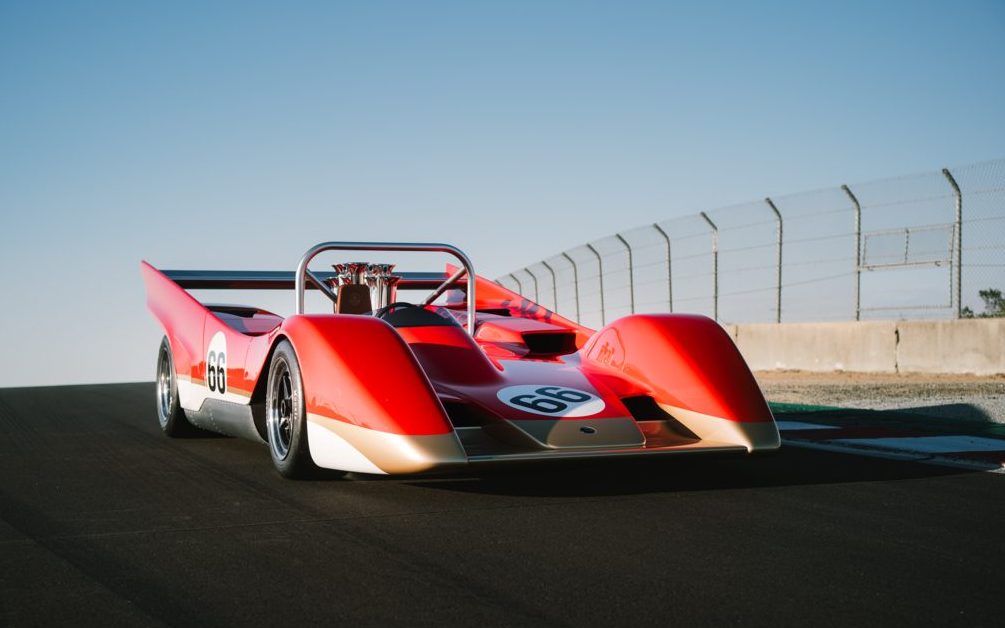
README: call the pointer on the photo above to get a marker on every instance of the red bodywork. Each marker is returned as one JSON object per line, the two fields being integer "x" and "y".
{"x": 361, "y": 371}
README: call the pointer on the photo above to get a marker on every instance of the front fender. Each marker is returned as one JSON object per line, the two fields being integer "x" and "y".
{"x": 695, "y": 373}
{"x": 358, "y": 370}
{"x": 370, "y": 407}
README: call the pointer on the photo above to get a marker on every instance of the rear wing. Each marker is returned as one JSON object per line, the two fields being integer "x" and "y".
{"x": 280, "y": 279}
{"x": 303, "y": 278}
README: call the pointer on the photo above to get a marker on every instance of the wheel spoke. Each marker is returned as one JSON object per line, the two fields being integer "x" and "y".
{"x": 280, "y": 417}
{"x": 284, "y": 388}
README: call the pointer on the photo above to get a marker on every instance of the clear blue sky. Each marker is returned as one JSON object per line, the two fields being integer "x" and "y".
{"x": 237, "y": 134}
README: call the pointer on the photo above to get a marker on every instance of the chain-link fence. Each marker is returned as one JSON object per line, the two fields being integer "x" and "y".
{"x": 919, "y": 246}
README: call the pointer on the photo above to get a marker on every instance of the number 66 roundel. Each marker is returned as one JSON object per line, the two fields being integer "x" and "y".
{"x": 556, "y": 401}
{"x": 216, "y": 364}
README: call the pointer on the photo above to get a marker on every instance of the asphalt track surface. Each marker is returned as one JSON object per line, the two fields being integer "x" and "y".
{"x": 105, "y": 521}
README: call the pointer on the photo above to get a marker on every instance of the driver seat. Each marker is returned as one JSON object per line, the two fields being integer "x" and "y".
{"x": 418, "y": 316}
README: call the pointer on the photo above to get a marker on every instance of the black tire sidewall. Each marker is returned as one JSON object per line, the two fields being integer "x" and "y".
{"x": 298, "y": 462}
{"x": 175, "y": 423}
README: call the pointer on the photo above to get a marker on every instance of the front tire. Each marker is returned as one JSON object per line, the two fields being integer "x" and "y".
{"x": 169, "y": 413}
{"x": 286, "y": 416}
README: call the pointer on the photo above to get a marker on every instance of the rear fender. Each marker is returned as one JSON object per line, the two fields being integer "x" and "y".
{"x": 181, "y": 316}
{"x": 491, "y": 295}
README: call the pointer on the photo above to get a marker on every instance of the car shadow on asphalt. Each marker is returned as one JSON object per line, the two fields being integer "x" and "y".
{"x": 955, "y": 418}
{"x": 790, "y": 466}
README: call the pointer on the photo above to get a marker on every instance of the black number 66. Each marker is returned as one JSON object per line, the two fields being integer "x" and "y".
{"x": 549, "y": 399}
{"x": 216, "y": 374}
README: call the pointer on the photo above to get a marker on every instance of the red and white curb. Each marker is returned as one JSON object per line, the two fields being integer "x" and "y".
{"x": 972, "y": 452}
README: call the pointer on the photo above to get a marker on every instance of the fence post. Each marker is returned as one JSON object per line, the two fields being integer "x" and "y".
{"x": 715, "y": 265}
{"x": 554, "y": 285}
{"x": 519, "y": 286}
{"x": 666, "y": 236}
{"x": 778, "y": 295}
{"x": 537, "y": 296}
{"x": 600, "y": 267}
{"x": 631, "y": 273}
{"x": 958, "y": 253}
{"x": 575, "y": 282}
{"x": 858, "y": 251}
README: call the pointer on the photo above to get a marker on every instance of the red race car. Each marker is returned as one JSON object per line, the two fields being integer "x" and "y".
{"x": 471, "y": 373}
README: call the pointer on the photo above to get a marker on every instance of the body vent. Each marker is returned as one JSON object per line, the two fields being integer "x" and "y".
{"x": 550, "y": 343}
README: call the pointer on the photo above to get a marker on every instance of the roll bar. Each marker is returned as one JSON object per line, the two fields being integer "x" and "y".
{"x": 303, "y": 273}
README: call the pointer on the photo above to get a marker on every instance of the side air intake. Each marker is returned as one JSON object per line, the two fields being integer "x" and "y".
{"x": 645, "y": 408}
{"x": 465, "y": 414}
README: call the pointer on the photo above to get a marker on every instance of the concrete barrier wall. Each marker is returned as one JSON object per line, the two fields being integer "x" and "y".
{"x": 966, "y": 346}
{"x": 975, "y": 346}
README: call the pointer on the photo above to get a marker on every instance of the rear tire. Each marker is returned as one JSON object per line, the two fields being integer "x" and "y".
{"x": 286, "y": 416}
{"x": 169, "y": 413}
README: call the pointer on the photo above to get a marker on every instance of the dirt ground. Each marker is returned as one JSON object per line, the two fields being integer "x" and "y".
{"x": 949, "y": 396}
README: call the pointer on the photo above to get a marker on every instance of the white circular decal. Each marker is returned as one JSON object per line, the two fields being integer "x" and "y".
{"x": 216, "y": 364}
{"x": 558, "y": 401}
